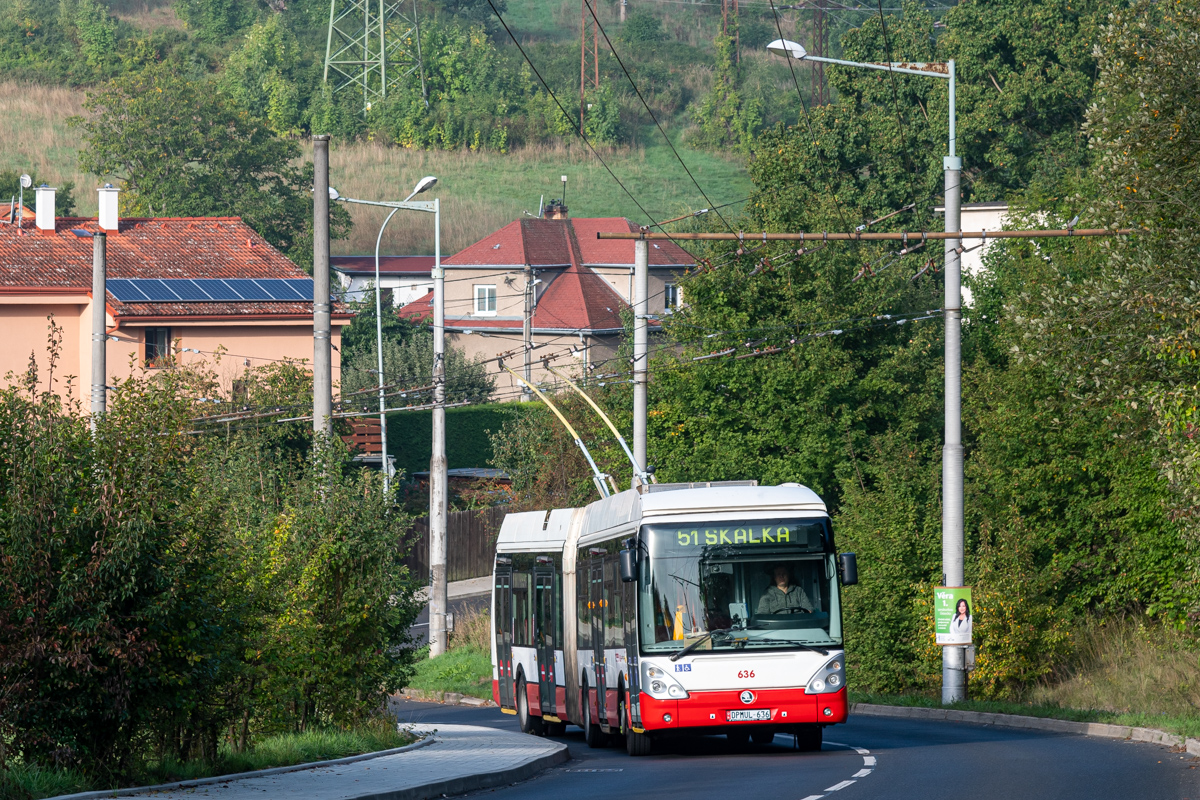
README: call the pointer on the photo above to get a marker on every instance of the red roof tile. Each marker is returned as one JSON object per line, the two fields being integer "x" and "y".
{"x": 165, "y": 247}
{"x": 544, "y": 243}
{"x": 575, "y": 298}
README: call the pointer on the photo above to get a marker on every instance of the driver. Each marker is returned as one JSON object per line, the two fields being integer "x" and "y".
{"x": 781, "y": 597}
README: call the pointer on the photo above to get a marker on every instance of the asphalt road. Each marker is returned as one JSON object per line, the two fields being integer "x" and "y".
{"x": 918, "y": 760}
{"x": 458, "y": 606}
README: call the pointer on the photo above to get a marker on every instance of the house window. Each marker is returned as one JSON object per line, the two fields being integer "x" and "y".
{"x": 485, "y": 299}
{"x": 672, "y": 297}
{"x": 158, "y": 346}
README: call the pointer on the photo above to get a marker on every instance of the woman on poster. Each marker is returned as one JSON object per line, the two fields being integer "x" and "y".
{"x": 960, "y": 625}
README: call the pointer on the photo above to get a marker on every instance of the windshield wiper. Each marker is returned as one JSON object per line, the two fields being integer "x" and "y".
{"x": 769, "y": 640}
{"x": 678, "y": 654}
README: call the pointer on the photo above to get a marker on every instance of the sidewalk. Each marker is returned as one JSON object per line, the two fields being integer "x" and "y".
{"x": 462, "y": 758}
{"x": 471, "y": 587}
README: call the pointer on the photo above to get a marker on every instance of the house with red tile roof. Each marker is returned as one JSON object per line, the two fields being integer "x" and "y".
{"x": 571, "y": 285}
{"x": 46, "y": 270}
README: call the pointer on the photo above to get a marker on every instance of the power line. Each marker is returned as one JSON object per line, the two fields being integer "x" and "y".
{"x": 578, "y": 131}
{"x": 650, "y": 111}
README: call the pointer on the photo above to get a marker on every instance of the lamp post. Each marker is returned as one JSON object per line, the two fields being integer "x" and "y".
{"x": 954, "y": 684}
{"x": 424, "y": 184}
{"x": 437, "y": 462}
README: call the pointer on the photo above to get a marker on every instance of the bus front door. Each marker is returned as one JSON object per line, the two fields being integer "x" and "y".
{"x": 544, "y": 598}
{"x": 503, "y": 622}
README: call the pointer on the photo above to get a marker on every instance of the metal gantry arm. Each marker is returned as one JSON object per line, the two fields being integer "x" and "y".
{"x": 597, "y": 476}
{"x": 645, "y": 477}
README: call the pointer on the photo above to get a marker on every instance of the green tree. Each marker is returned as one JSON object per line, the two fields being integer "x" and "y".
{"x": 182, "y": 149}
{"x": 726, "y": 116}
{"x": 409, "y": 363}
{"x": 10, "y": 190}
{"x": 261, "y": 75}
{"x": 642, "y": 27}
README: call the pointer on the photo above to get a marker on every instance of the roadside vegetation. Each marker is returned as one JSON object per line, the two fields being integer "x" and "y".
{"x": 465, "y": 667}
{"x": 157, "y": 622}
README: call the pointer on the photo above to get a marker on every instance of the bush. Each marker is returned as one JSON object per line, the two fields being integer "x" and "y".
{"x": 149, "y": 612}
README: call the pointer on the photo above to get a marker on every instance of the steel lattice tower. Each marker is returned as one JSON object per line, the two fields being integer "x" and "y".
{"x": 372, "y": 47}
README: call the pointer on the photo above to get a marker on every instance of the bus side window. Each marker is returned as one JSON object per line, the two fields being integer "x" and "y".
{"x": 583, "y": 614}
{"x": 613, "y": 636}
{"x": 521, "y": 610}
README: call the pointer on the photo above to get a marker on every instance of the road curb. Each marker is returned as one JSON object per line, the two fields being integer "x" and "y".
{"x": 1097, "y": 729}
{"x": 428, "y": 739}
{"x": 471, "y": 783}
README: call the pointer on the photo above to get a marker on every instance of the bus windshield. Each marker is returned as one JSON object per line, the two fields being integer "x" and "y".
{"x": 762, "y": 584}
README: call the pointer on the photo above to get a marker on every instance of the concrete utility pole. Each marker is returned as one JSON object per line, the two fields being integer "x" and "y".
{"x": 527, "y": 332}
{"x": 641, "y": 312}
{"x": 954, "y": 676}
{"x": 437, "y": 463}
{"x": 322, "y": 344}
{"x": 99, "y": 327}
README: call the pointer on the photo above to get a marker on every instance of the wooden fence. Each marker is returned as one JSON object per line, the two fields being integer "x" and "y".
{"x": 470, "y": 543}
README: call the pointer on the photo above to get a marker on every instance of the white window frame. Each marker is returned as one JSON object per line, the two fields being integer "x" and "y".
{"x": 481, "y": 292}
{"x": 670, "y": 289}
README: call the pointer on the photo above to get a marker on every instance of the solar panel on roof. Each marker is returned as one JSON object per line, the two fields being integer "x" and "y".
{"x": 304, "y": 286}
{"x": 278, "y": 289}
{"x": 249, "y": 290}
{"x": 187, "y": 290}
{"x": 125, "y": 291}
{"x": 156, "y": 290}
{"x": 218, "y": 290}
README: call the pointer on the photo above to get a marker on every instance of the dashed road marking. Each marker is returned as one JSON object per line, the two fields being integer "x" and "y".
{"x": 862, "y": 773}
{"x": 869, "y": 760}
{"x": 839, "y": 786}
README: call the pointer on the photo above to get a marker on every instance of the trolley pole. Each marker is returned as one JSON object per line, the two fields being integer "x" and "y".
{"x": 99, "y": 327}
{"x": 527, "y": 334}
{"x": 322, "y": 344}
{"x": 437, "y": 463}
{"x": 641, "y": 291}
{"x": 954, "y": 676}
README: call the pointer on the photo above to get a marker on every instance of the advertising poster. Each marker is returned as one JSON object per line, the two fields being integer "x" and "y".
{"x": 952, "y": 617}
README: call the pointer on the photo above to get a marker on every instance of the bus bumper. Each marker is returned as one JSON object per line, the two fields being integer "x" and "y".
{"x": 708, "y": 709}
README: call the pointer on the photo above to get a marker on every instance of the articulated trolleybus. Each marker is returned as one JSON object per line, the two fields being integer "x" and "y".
{"x": 689, "y": 608}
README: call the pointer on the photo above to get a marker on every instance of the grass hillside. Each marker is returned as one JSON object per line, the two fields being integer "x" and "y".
{"x": 480, "y": 191}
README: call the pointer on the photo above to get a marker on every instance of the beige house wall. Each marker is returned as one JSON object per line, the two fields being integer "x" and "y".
{"x": 620, "y": 279}
{"x": 601, "y": 349}
{"x": 260, "y": 342}
{"x": 510, "y": 297}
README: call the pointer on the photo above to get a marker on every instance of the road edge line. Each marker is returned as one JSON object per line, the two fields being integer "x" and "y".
{"x": 1095, "y": 729}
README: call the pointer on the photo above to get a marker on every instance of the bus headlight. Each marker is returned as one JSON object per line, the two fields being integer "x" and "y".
{"x": 657, "y": 683}
{"x": 831, "y": 677}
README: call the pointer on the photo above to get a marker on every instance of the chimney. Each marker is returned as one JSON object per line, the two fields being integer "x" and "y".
{"x": 556, "y": 210}
{"x": 44, "y": 209}
{"x": 109, "y": 216}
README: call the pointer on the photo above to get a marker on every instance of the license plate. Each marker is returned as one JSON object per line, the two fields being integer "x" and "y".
{"x": 748, "y": 715}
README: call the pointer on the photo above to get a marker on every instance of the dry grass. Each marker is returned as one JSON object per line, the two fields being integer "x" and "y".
{"x": 1128, "y": 666}
{"x": 480, "y": 192}
{"x": 483, "y": 191}
{"x": 146, "y": 14}
{"x": 473, "y": 630}
{"x": 33, "y": 127}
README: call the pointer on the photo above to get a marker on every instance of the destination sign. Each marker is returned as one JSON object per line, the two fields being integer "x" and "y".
{"x": 754, "y": 534}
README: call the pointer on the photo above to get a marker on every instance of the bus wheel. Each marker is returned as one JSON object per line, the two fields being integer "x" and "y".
{"x": 636, "y": 744}
{"x": 739, "y": 737}
{"x": 591, "y": 731}
{"x": 762, "y": 737}
{"x": 529, "y": 723}
{"x": 808, "y": 738}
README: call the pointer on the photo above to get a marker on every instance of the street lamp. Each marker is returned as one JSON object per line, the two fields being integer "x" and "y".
{"x": 954, "y": 685}
{"x": 423, "y": 185}
{"x": 437, "y": 461}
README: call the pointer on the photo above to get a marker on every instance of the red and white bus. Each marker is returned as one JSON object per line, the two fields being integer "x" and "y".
{"x": 690, "y": 608}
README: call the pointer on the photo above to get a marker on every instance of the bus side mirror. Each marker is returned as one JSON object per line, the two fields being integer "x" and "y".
{"x": 628, "y": 566}
{"x": 849, "y": 569}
